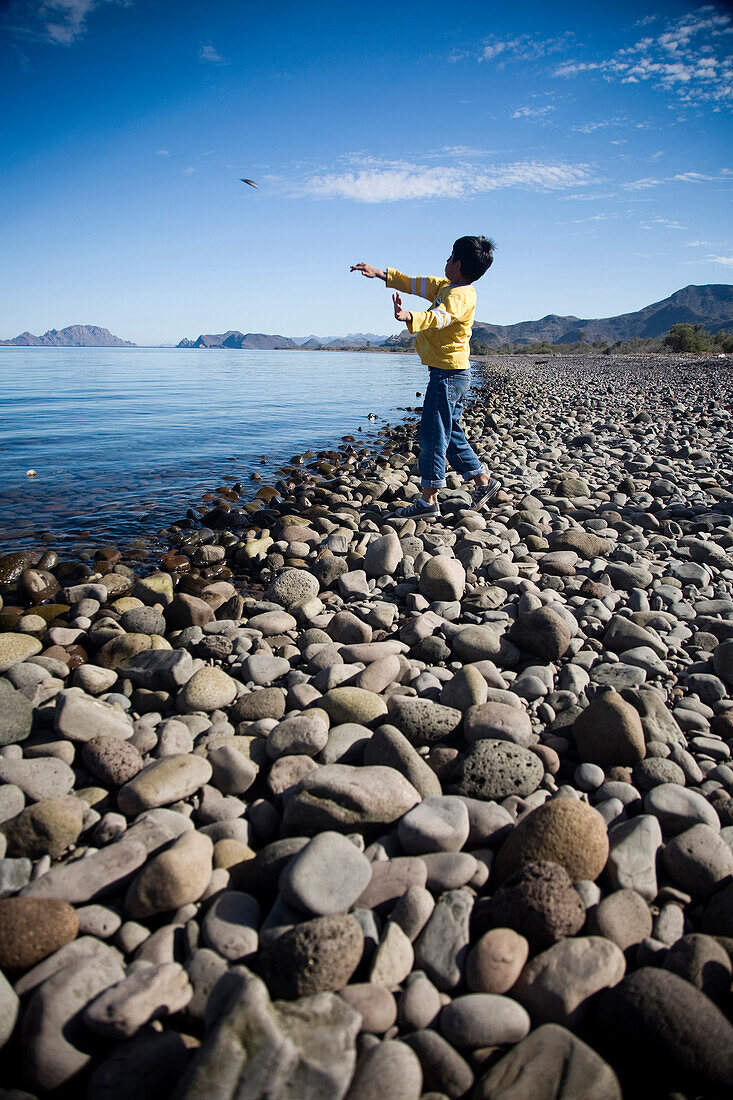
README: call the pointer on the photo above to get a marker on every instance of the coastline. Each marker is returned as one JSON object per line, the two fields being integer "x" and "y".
{"x": 521, "y": 719}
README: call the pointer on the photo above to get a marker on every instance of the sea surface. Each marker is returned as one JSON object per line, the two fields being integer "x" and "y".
{"x": 124, "y": 440}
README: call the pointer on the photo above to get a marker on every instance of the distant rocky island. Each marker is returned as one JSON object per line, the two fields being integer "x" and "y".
{"x": 75, "y": 336}
{"x": 710, "y": 305}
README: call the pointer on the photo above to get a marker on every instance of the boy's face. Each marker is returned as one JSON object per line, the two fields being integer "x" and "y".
{"x": 452, "y": 268}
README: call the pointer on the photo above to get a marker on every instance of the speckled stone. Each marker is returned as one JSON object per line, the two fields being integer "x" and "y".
{"x": 33, "y": 928}
{"x": 562, "y": 830}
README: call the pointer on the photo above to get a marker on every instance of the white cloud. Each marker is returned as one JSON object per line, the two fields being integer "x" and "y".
{"x": 722, "y": 175}
{"x": 726, "y": 261}
{"x": 397, "y": 181}
{"x": 532, "y": 112}
{"x": 162, "y": 153}
{"x": 698, "y": 244}
{"x": 524, "y": 47}
{"x": 667, "y": 223}
{"x": 188, "y": 171}
{"x": 691, "y": 58}
{"x": 211, "y": 54}
{"x": 61, "y": 22}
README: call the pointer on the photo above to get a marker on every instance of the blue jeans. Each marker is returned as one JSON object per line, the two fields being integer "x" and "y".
{"x": 441, "y": 435}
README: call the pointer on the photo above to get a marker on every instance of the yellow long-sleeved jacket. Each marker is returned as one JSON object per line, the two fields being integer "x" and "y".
{"x": 443, "y": 330}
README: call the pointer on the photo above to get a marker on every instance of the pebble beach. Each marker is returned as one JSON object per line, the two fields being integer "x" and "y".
{"x": 322, "y": 802}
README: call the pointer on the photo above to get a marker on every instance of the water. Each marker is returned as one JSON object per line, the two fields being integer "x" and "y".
{"x": 124, "y": 440}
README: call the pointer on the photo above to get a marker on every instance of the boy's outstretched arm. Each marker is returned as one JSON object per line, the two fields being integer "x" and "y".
{"x": 370, "y": 272}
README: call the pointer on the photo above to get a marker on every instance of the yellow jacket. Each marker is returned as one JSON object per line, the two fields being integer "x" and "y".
{"x": 443, "y": 330}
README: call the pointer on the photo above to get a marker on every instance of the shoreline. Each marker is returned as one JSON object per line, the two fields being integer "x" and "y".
{"x": 510, "y": 731}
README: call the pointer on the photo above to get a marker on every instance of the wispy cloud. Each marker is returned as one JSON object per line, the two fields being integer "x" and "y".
{"x": 395, "y": 181}
{"x": 533, "y": 112}
{"x": 525, "y": 47}
{"x": 188, "y": 171}
{"x": 666, "y": 223}
{"x": 723, "y": 175}
{"x": 162, "y": 153}
{"x": 698, "y": 244}
{"x": 726, "y": 261}
{"x": 691, "y": 58}
{"x": 61, "y": 22}
{"x": 209, "y": 53}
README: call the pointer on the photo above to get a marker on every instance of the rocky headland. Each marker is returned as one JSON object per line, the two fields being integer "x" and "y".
{"x": 332, "y": 804}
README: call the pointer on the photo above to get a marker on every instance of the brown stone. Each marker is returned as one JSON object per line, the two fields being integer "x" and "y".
{"x": 609, "y": 732}
{"x": 562, "y": 830}
{"x": 31, "y": 929}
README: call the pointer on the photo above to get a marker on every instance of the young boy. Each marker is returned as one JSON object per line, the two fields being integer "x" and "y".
{"x": 443, "y": 335}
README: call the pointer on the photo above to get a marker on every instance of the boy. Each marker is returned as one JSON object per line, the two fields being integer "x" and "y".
{"x": 443, "y": 335}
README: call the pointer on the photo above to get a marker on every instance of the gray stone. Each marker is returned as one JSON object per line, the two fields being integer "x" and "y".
{"x": 623, "y": 917}
{"x": 343, "y": 798}
{"x": 145, "y": 995}
{"x": 292, "y": 586}
{"x": 38, "y": 779}
{"x": 390, "y": 1069}
{"x": 78, "y": 717}
{"x": 632, "y": 859}
{"x": 678, "y": 809}
{"x": 550, "y": 1064}
{"x": 479, "y": 1020}
{"x": 263, "y": 670}
{"x": 100, "y": 872}
{"x": 16, "y": 714}
{"x": 159, "y": 669}
{"x": 422, "y": 721}
{"x": 255, "y": 1048}
{"x": 498, "y": 721}
{"x": 54, "y": 1037}
{"x": 9, "y": 1005}
{"x": 164, "y": 781}
{"x": 231, "y": 923}
{"x": 383, "y": 555}
{"x": 437, "y": 824}
{"x": 327, "y": 876}
{"x": 698, "y": 860}
{"x": 442, "y": 578}
{"x": 442, "y": 947}
{"x": 301, "y": 734}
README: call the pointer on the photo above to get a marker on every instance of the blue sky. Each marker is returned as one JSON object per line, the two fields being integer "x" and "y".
{"x": 592, "y": 143}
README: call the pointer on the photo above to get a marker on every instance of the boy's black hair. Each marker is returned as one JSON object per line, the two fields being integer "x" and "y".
{"x": 476, "y": 255}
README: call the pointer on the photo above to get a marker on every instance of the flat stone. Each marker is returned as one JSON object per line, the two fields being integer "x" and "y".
{"x": 252, "y": 1047}
{"x": 263, "y": 670}
{"x": 164, "y": 781}
{"x": 623, "y": 917}
{"x": 148, "y": 994}
{"x": 389, "y": 747}
{"x": 53, "y": 1034}
{"x": 609, "y": 732}
{"x": 340, "y": 797}
{"x": 308, "y": 881}
{"x": 48, "y": 827}
{"x": 437, "y": 824}
{"x": 267, "y": 703}
{"x": 563, "y": 830}
{"x": 16, "y": 714}
{"x": 445, "y": 1072}
{"x": 393, "y": 959}
{"x": 375, "y": 1004}
{"x": 667, "y": 1032}
{"x": 231, "y": 923}
{"x": 15, "y": 648}
{"x": 98, "y": 873}
{"x": 389, "y": 1069}
{"x": 159, "y": 669}
{"x": 479, "y": 1020}
{"x": 476, "y": 643}
{"x": 698, "y": 860}
{"x": 550, "y": 1064}
{"x": 679, "y": 809}
{"x": 40, "y": 778}
{"x": 556, "y": 986}
{"x": 353, "y": 704}
{"x": 300, "y": 734}
{"x": 632, "y": 856}
{"x": 391, "y": 879}
{"x": 498, "y": 721}
{"x": 441, "y": 948}
{"x": 175, "y": 877}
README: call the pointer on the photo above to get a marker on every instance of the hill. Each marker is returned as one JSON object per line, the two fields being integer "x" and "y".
{"x": 75, "y": 336}
{"x": 710, "y": 305}
{"x": 234, "y": 339}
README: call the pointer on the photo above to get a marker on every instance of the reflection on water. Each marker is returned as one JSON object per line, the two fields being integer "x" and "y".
{"x": 123, "y": 440}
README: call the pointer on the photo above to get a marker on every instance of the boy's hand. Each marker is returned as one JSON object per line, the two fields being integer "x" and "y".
{"x": 400, "y": 313}
{"x": 369, "y": 272}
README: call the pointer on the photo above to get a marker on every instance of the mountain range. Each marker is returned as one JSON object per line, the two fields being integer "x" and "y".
{"x": 710, "y": 305}
{"x": 75, "y": 336}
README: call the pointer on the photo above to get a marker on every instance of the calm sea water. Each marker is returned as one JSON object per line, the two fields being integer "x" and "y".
{"x": 123, "y": 440}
